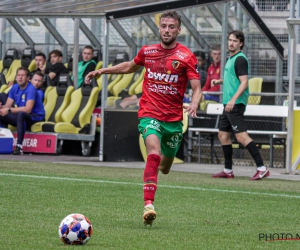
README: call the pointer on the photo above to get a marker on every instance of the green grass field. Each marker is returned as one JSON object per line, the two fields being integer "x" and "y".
{"x": 194, "y": 211}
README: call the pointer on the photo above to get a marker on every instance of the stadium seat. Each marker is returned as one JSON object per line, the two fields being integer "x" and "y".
{"x": 58, "y": 98}
{"x": 12, "y": 71}
{"x": 27, "y": 57}
{"x": 255, "y": 86}
{"x": 184, "y": 129}
{"x": 97, "y": 55}
{"x": 76, "y": 118}
{"x": 10, "y": 56}
{"x": 99, "y": 79}
{"x": 46, "y": 87}
{"x": 3, "y": 84}
{"x": 99, "y": 65}
{"x": 133, "y": 88}
{"x": 118, "y": 87}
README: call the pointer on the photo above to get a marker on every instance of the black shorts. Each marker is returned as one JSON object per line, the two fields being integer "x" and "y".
{"x": 233, "y": 121}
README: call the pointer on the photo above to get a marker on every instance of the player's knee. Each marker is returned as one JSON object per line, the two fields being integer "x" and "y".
{"x": 164, "y": 169}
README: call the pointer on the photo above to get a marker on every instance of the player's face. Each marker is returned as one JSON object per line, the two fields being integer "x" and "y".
{"x": 234, "y": 44}
{"x": 55, "y": 58}
{"x": 39, "y": 62}
{"x": 168, "y": 30}
{"x": 216, "y": 56}
{"x": 37, "y": 81}
{"x": 22, "y": 78}
{"x": 87, "y": 55}
{"x": 200, "y": 61}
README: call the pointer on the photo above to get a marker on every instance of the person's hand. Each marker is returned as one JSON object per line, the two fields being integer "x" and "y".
{"x": 214, "y": 82}
{"x": 0, "y": 105}
{"x": 42, "y": 67}
{"x": 3, "y": 111}
{"x": 191, "y": 110}
{"x": 229, "y": 106}
{"x": 91, "y": 75}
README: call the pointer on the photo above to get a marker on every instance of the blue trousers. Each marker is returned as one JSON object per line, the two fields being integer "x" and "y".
{"x": 21, "y": 120}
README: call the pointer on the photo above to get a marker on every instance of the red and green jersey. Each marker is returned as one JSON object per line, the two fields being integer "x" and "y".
{"x": 166, "y": 76}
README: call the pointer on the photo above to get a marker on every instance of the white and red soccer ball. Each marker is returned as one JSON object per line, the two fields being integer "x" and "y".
{"x": 75, "y": 229}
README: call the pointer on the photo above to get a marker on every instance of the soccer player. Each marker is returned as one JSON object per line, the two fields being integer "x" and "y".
{"x": 235, "y": 98}
{"x": 169, "y": 65}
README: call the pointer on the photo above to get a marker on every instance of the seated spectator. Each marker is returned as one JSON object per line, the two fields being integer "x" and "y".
{"x": 56, "y": 68}
{"x": 201, "y": 58}
{"x": 37, "y": 82}
{"x": 29, "y": 107}
{"x": 40, "y": 63}
{"x": 87, "y": 65}
{"x": 213, "y": 73}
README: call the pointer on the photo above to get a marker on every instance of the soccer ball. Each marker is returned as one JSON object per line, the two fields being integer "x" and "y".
{"x": 75, "y": 229}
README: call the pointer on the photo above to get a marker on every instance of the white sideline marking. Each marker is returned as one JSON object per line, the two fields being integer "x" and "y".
{"x": 141, "y": 184}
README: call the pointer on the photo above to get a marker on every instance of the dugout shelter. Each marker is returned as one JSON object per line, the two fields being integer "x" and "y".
{"x": 116, "y": 26}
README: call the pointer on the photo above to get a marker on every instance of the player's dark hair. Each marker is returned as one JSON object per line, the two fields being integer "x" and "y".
{"x": 39, "y": 73}
{"x": 200, "y": 54}
{"x": 25, "y": 69}
{"x": 89, "y": 47}
{"x": 239, "y": 35}
{"x": 41, "y": 54}
{"x": 173, "y": 14}
{"x": 55, "y": 52}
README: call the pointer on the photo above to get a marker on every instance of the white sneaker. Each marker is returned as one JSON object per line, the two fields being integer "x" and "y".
{"x": 149, "y": 215}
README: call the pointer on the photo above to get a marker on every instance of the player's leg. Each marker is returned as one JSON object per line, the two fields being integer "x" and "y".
{"x": 240, "y": 130}
{"x": 170, "y": 144}
{"x": 151, "y": 132}
{"x": 225, "y": 140}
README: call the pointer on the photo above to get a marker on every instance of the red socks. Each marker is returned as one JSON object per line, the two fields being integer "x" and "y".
{"x": 150, "y": 178}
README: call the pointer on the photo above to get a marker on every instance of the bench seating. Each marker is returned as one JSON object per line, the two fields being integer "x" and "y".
{"x": 251, "y": 110}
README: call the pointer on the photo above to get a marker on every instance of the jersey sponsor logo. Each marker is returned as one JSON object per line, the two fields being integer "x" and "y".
{"x": 149, "y": 61}
{"x": 162, "y": 88}
{"x": 154, "y": 125}
{"x": 162, "y": 76}
{"x": 175, "y": 64}
{"x": 151, "y": 51}
{"x": 181, "y": 55}
{"x": 23, "y": 98}
{"x": 175, "y": 140}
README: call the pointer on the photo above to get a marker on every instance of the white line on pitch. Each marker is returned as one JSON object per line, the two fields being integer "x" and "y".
{"x": 140, "y": 184}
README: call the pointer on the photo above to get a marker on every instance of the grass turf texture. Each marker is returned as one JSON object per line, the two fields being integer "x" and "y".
{"x": 194, "y": 211}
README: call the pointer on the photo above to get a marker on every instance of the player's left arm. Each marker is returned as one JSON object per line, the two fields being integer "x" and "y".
{"x": 191, "y": 109}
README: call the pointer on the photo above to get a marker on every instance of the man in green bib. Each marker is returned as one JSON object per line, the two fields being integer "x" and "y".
{"x": 87, "y": 64}
{"x": 235, "y": 99}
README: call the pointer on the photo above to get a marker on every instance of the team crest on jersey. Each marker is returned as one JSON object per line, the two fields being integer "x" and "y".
{"x": 23, "y": 97}
{"x": 175, "y": 64}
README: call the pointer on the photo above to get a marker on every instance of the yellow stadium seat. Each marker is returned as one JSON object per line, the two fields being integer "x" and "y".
{"x": 12, "y": 71}
{"x": 58, "y": 99}
{"x": 99, "y": 65}
{"x": 255, "y": 86}
{"x": 134, "y": 86}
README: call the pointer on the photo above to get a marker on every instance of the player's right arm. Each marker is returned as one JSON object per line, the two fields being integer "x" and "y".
{"x": 122, "y": 68}
{"x": 215, "y": 82}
